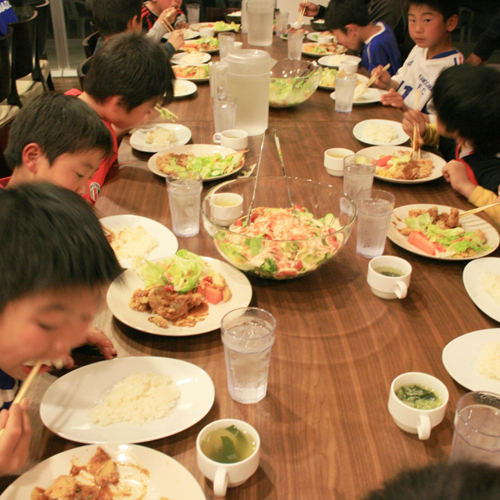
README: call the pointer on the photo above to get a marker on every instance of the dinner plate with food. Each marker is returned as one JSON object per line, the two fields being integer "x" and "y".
{"x": 395, "y": 164}
{"x": 123, "y": 471}
{"x": 472, "y": 360}
{"x": 328, "y": 76}
{"x": 293, "y": 31}
{"x": 322, "y": 49}
{"x": 380, "y": 132}
{"x": 332, "y": 61}
{"x": 217, "y": 26}
{"x": 137, "y": 399}
{"x": 212, "y": 162}
{"x": 365, "y": 95}
{"x": 208, "y": 44}
{"x": 158, "y": 137}
{"x": 196, "y": 73}
{"x": 201, "y": 289}
{"x": 437, "y": 232}
{"x": 133, "y": 235}
{"x": 184, "y": 88}
{"x": 482, "y": 282}
{"x": 187, "y": 33}
{"x": 191, "y": 58}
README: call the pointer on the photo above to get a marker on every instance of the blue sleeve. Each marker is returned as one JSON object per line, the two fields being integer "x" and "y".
{"x": 381, "y": 50}
{"x": 7, "y": 15}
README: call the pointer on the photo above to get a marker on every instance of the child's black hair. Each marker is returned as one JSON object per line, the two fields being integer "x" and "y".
{"x": 447, "y": 8}
{"x": 112, "y": 16}
{"x": 344, "y": 12}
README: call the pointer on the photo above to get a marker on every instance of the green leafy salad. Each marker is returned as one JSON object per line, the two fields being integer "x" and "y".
{"x": 286, "y": 92}
{"x": 222, "y": 26}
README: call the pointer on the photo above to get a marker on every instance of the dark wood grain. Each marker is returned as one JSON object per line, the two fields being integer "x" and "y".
{"x": 324, "y": 425}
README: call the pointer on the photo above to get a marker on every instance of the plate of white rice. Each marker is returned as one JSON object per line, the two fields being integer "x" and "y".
{"x": 159, "y": 137}
{"x": 473, "y": 360}
{"x": 136, "y": 399}
{"x": 380, "y": 132}
{"x": 135, "y": 235}
{"x": 482, "y": 282}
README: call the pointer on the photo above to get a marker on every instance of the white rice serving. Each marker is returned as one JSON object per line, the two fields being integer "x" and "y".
{"x": 491, "y": 284}
{"x": 140, "y": 397}
{"x": 160, "y": 137}
{"x": 380, "y": 132}
{"x": 132, "y": 241}
{"x": 489, "y": 362}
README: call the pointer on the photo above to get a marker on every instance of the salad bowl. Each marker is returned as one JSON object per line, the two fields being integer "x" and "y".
{"x": 293, "y": 82}
{"x": 290, "y": 234}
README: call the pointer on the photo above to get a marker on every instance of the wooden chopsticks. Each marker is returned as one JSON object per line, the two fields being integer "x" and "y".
{"x": 166, "y": 24}
{"x": 301, "y": 14}
{"x": 414, "y": 149}
{"x": 24, "y": 387}
{"x": 478, "y": 209}
{"x": 374, "y": 77}
{"x": 166, "y": 114}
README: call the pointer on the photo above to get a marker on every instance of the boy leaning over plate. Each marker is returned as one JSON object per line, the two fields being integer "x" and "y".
{"x": 54, "y": 264}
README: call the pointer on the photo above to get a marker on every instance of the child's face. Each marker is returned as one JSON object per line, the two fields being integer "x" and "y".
{"x": 427, "y": 27}
{"x": 165, "y": 4}
{"x": 71, "y": 171}
{"x": 123, "y": 119}
{"x": 45, "y": 326}
{"x": 350, "y": 39}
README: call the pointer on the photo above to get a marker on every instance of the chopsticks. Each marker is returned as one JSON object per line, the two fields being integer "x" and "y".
{"x": 301, "y": 14}
{"x": 24, "y": 387}
{"x": 374, "y": 77}
{"x": 107, "y": 230}
{"x": 166, "y": 114}
{"x": 414, "y": 149}
{"x": 166, "y": 24}
{"x": 478, "y": 209}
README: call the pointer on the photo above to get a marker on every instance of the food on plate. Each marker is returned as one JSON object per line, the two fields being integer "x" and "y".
{"x": 207, "y": 43}
{"x": 194, "y": 57}
{"x": 208, "y": 166}
{"x": 192, "y": 72}
{"x": 488, "y": 363}
{"x": 222, "y": 26}
{"x": 227, "y": 445}
{"x": 380, "y": 132}
{"x": 160, "y": 137}
{"x": 138, "y": 398}
{"x": 188, "y": 33}
{"x": 178, "y": 289}
{"x": 296, "y": 31}
{"x": 491, "y": 284}
{"x": 328, "y": 76}
{"x": 99, "y": 479}
{"x": 442, "y": 235}
{"x": 323, "y": 48}
{"x": 131, "y": 241}
{"x": 401, "y": 165}
{"x": 280, "y": 243}
{"x": 419, "y": 397}
{"x": 179, "y": 88}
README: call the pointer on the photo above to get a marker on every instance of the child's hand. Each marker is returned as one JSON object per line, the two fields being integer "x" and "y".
{"x": 455, "y": 172}
{"x": 411, "y": 118}
{"x": 311, "y": 9}
{"x": 98, "y": 339}
{"x": 176, "y": 39}
{"x": 182, "y": 25}
{"x": 15, "y": 439}
{"x": 393, "y": 98}
{"x": 169, "y": 14}
{"x": 383, "y": 77}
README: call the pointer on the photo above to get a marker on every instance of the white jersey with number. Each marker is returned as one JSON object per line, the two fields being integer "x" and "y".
{"x": 418, "y": 74}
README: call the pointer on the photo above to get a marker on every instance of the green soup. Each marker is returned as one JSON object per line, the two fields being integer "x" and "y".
{"x": 419, "y": 397}
{"x": 389, "y": 271}
{"x": 228, "y": 445}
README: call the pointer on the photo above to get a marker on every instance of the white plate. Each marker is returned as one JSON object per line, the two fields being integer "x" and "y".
{"x": 167, "y": 477}
{"x": 340, "y": 50}
{"x": 65, "y": 406}
{"x": 121, "y": 290}
{"x": 460, "y": 358}
{"x": 471, "y": 223}
{"x": 192, "y": 34}
{"x": 197, "y": 150}
{"x": 473, "y": 284}
{"x": 197, "y": 42}
{"x": 378, "y": 151}
{"x": 137, "y": 138}
{"x": 193, "y": 79}
{"x": 183, "y": 88}
{"x": 178, "y": 58}
{"x": 359, "y": 132}
{"x": 167, "y": 242}
{"x": 360, "y": 78}
{"x": 370, "y": 96}
{"x": 313, "y": 36}
{"x": 334, "y": 61}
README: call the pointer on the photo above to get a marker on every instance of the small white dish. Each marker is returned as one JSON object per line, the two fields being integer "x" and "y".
{"x": 350, "y": 64}
{"x": 385, "y": 286}
{"x": 226, "y": 208}
{"x": 359, "y": 132}
{"x": 184, "y": 88}
{"x": 137, "y": 138}
{"x": 234, "y": 139}
{"x": 334, "y": 160}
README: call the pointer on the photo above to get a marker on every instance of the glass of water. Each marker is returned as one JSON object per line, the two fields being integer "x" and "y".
{"x": 359, "y": 171}
{"x": 184, "y": 196}
{"x": 226, "y": 43}
{"x": 248, "y": 335}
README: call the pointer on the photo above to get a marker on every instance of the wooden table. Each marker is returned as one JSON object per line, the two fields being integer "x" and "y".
{"x": 324, "y": 424}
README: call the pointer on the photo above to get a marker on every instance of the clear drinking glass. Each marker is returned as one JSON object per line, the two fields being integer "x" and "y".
{"x": 294, "y": 43}
{"x": 281, "y": 25}
{"x": 224, "y": 113}
{"x": 193, "y": 13}
{"x": 359, "y": 171}
{"x": 374, "y": 216}
{"x": 248, "y": 335}
{"x": 344, "y": 92}
{"x": 226, "y": 43}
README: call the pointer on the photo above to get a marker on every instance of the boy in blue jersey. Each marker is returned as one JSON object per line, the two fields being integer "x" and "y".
{"x": 7, "y": 16}
{"x": 350, "y": 23}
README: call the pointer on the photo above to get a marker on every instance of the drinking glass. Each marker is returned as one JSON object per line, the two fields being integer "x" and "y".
{"x": 359, "y": 171}
{"x": 248, "y": 335}
{"x": 193, "y": 13}
{"x": 260, "y": 14}
{"x": 374, "y": 216}
{"x": 344, "y": 92}
{"x": 184, "y": 196}
{"x": 295, "y": 46}
{"x": 477, "y": 429}
{"x": 225, "y": 113}
{"x": 226, "y": 43}
{"x": 281, "y": 23}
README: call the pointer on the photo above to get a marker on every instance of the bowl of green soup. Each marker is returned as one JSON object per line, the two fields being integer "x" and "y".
{"x": 417, "y": 403}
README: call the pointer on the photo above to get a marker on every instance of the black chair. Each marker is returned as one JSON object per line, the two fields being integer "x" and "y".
{"x": 82, "y": 70}
{"x": 5, "y": 65}
{"x": 23, "y": 54}
{"x": 41, "y": 60}
{"x": 89, "y": 44}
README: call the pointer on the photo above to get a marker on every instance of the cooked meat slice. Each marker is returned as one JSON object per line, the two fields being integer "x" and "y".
{"x": 448, "y": 221}
{"x": 481, "y": 235}
{"x": 140, "y": 301}
{"x": 103, "y": 468}
{"x": 38, "y": 494}
{"x": 411, "y": 170}
{"x": 173, "y": 305}
{"x": 63, "y": 486}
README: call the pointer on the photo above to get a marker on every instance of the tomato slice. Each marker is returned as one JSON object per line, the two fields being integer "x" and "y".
{"x": 382, "y": 162}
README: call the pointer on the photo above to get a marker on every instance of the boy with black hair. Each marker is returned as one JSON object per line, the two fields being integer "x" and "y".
{"x": 54, "y": 264}
{"x": 59, "y": 139}
{"x": 127, "y": 78}
{"x": 376, "y": 43}
{"x": 431, "y": 23}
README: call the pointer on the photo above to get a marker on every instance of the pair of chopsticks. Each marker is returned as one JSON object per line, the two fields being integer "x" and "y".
{"x": 374, "y": 77}
{"x": 166, "y": 114}
{"x": 479, "y": 209}
{"x": 24, "y": 387}
{"x": 166, "y": 24}
{"x": 414, "y": 150}
{"x": 108, "y": 231}
{"x": 301, "y": 14}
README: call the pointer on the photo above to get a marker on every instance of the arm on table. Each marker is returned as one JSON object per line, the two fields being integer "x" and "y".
{"x": 481, "y": 197}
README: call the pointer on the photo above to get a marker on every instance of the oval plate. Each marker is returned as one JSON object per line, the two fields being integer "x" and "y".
{"x": 137, "y": 138}
{"x": 178, "y": 58}
{"x": 184, "y": 88}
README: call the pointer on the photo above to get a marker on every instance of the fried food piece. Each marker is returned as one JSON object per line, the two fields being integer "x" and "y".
{"x": 62, "y": 487}
{"x": 481, "y": 234}
{"x": 411, "y": 170}
{"x": 173, "y": 305}
{"x": 140, "y": 301}
{"x": 448, "y": 221}
{"x": 103, "y": 468}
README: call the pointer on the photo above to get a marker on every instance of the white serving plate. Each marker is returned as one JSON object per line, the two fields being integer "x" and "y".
{"x": 137, "y": 138}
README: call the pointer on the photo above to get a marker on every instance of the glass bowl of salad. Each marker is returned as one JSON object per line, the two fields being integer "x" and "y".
{"x": 283, "y": 239}
{"x": 293, "y": 82}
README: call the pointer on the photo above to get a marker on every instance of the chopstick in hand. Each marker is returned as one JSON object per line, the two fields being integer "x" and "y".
{"x": 25, "y": 385}
{"x": 166, "y": 24}
{"x": 166, "y": 114}
{"x": 415, "y": 128}
{"x": 478, "y": 209}
{"x": 301, "y": 14}
{"x": 374, "y": 77}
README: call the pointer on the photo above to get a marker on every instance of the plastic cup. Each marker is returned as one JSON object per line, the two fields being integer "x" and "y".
{"x": 184, "y": 196}
{"x": 359, "y": 171}
{"x": 226, "y": 43}
{"x": 295, "y": 42}
{"x": 193, "y": 13}
{"x": 344, "y": 92}
{"x": 281, "y": 25}
{"x": 248, "y": 335}
{"x": 225, "y": 113}
{"x": 374, "y": 216}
